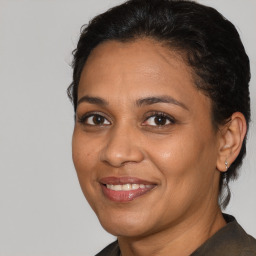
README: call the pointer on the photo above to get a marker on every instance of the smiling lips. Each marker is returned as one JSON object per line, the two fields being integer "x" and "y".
{"x": 124, "y": 189}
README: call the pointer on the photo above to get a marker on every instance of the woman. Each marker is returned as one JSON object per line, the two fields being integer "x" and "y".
{"x": 161, "y": 100}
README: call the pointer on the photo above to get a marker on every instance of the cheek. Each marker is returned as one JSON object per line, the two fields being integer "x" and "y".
{"x": 85, "y": 158}
{"x": 186, "y": 160}
{"x": 83, "y": 152}
{"x": 174, "y": 154}
{"x": 185, "y": 176}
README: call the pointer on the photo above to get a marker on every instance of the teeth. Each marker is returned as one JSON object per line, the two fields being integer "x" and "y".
{"x": 135, "y": 186}
{"x": 127, "y": 187}
{"x": 116, "y": 188}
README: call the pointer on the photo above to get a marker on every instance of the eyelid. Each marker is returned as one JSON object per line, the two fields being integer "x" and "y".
{"x": 162, "y": 114}
{"x": 81, "y": 119}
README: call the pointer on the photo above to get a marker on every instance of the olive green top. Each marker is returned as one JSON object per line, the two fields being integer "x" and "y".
{"x": 231, "y": 240}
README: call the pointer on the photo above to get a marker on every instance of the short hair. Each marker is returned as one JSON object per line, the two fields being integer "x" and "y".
{"x": 208, "y": 42}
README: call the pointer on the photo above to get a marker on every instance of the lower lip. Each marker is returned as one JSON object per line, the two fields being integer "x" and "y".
{"x": 124, "y": 196}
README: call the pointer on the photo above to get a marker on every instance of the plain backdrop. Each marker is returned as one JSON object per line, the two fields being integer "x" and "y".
{"x": 42, "y": 210}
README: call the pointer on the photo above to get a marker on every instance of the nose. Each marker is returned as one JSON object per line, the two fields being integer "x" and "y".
{"x": 122, "y": 147}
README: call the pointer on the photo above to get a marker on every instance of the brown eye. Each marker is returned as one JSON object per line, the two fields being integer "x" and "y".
{"x": 98, "y": 120}
{"x": 158, "y": 120}
{"x": 95, "y": 120}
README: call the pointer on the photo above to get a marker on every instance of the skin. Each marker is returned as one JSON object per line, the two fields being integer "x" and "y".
{"x": 183, "y": 157}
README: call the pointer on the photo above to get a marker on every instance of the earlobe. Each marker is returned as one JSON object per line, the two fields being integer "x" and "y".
{"x": 231, "y": 140}
{"x": 226, "y": 165}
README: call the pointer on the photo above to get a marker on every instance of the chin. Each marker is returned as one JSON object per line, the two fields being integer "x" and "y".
{"x": 123, "y": 230}
{"x": 124, "y": 225}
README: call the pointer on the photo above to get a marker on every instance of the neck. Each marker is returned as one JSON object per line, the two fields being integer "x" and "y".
{"x": 182, "y": 239}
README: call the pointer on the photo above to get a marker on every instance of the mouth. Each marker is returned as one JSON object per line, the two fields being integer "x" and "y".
{"x": 124, "y": 189}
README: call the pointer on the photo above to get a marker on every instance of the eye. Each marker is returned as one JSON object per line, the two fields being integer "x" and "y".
{"x": 94, "y": 120}
{"x": 160, "y": 119}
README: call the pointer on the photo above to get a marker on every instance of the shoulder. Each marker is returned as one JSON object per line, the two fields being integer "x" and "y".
{"x": 110, "y": 250}
{"x": 230, "y": 240}
{"x": 250, "y": 248}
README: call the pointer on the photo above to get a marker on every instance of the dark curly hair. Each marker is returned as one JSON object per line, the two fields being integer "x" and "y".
{"x": 208, "y": 42}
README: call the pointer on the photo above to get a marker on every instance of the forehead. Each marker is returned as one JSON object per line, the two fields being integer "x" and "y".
{"x": 136, "y": 69}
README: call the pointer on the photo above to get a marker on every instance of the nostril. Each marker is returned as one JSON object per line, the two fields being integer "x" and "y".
{"x": 118, "y": 157}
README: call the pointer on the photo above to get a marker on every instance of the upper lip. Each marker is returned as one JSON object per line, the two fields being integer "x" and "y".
{"x": 124, "y": 180}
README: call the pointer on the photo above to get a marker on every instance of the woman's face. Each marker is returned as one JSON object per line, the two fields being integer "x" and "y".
{"x": 144, "y": 146}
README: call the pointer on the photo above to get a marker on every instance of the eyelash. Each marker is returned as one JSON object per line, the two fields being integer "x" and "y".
{"x": 161, "y": 115}
{"x": 85, "y": 118}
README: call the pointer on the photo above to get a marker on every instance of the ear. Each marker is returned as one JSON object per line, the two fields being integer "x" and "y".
{"x": 231, "y": 140}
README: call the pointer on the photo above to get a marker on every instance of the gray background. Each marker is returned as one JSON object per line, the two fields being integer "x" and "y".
{"x": 42, "y": 210}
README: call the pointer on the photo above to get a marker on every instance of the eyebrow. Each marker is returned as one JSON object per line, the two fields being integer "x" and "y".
{"x": 160, "y": 99}
{"x": 139, "y": 102}
{"x": 92, "y": 100}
